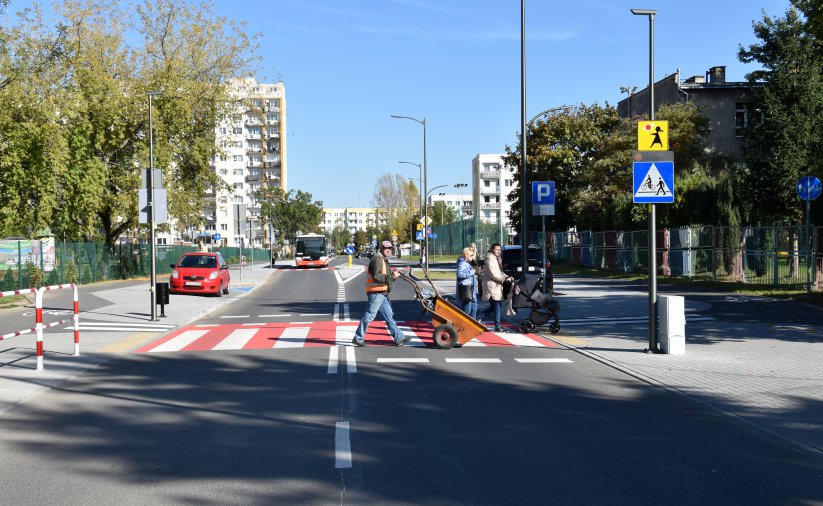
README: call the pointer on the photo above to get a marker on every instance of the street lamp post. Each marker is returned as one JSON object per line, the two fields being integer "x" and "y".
{"x": 424, "y": 259}
{"x": 150, "y": 202}
{"x": 420, "y": 181}
{"x": 652, "y": 218}
{"x": 442, "y": 219}
{"x": 460, "y": 187}
{"x": 628, "y": 91}
{"x": 524, "y": 176}
{"x": 426, "y": 227}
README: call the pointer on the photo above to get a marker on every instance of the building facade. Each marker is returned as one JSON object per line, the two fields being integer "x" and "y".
{"x": 729, "y": 106}
{"x": 352, "y": 219}
{"x": 253, "y": 154}
{"x": 492, "y": 182}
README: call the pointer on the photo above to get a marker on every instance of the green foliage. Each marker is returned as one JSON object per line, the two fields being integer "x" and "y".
{"x": 291, "y": 211}
{"x": 789, "y": 143}
{"x": 361, "y": 238}
{"x": 74, "y": 111}
{"x": 10, "y": 281}
{"x": 399, "y": 198}
{"x": 32, "y": 276}
{"x": 53, "y": 278}
{"x": 340, "y": 237}
{"x": 70, "y": 273}
{"x": 441, "y": 213}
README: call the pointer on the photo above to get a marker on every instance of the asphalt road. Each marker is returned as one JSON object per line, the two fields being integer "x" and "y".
{"x": 318, "y": 424}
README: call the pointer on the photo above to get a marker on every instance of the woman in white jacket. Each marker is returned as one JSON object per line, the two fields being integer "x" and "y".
{"x": 493, "y": 279}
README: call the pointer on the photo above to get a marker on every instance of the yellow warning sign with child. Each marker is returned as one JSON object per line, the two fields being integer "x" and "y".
{"x": 652, "y": 135}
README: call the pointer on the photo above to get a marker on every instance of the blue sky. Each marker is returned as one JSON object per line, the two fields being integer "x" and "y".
{"x": 350, "y": 64}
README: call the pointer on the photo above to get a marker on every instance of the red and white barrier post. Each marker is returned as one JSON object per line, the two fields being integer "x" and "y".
{"x": 38, "y": 312}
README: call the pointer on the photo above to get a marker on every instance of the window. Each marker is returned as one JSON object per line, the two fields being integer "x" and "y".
{"x": 744, "y": 114}
{"x": 224, "y": 172}
{"x": 223, "y": 212}
{"x": 508, "y": 182}
{"x": 223, "y": 158}
{"x": 223, "y": 200}
{"x": 238, "y": 172}
{"x": 238, "y": 158}
{"x": 238, "y": 200}
{"x": 237, "y": 130}
{"x": 487, "y": 183}
{"x": 238, "y": 186}
{"x": 223, "y": 130}
{"x": 487, "y": 199}
{"x": 224, "y": 226}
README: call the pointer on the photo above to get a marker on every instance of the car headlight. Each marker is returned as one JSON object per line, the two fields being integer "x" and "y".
{"x": 324, "y": 258}
{"x": 298, "y": 259}
{"x": 214, "y": 275}
{"x": 174, "y": 274}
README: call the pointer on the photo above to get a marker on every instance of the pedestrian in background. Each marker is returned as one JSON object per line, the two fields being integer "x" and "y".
{"x": 467, "y": 283}
{"x": 379, "y": 279}
{"x": 493, "y": 279}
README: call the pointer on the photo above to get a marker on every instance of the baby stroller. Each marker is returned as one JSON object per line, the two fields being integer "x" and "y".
{"x": 528, "y": 293}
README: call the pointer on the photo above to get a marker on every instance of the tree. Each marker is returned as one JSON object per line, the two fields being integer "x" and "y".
{"x": 74, "y": 118}
{"x": 340, "y": 237}
{"x": 442, "y": 214}
{"x": 398, "y": 197}
{"x": 292, "y": 211}
{"x": 361, "y": 238}
{"x": 789, "y": 142}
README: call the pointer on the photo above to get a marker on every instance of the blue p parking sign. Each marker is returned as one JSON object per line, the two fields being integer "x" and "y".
{"x": 543, "y": 198}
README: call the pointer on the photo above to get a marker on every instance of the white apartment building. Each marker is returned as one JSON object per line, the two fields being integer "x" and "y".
{"x": 253, "y": 145}
{"x": 492, "y": 181}
{"x": 352, "y": 218}
{"x": 455, "y": 201}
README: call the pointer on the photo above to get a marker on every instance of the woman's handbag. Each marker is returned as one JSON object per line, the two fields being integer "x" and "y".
{"x": 464, "y": 293}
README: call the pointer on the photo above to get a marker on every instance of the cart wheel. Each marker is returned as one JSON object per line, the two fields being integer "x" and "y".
{"x": 554, "y": 328}
{"x": 526, "y": 327}
{"x": 445, "y": 336}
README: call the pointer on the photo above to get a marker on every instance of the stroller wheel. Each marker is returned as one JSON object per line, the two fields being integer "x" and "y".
{"x": 554, "y": 328}
{"x": 526, "y": 327}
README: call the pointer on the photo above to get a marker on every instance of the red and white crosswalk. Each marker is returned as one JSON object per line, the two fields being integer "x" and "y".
{"x": 271, "y": 335}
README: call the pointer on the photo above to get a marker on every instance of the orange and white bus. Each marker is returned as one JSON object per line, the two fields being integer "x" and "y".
{"x": 310, "y": 251}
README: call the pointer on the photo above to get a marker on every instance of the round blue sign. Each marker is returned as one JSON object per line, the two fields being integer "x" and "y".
{"x": 808, "y": 188}
{"x": 216, "y": 237}
{"x": 349, "y": 250}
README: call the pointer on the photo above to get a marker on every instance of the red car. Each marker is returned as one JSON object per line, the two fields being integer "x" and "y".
{"x": 200, "y": 273}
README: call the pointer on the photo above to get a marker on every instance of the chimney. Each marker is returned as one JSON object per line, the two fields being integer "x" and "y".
{"x": 696, "y": 80}
{"x": 717, "y": 74}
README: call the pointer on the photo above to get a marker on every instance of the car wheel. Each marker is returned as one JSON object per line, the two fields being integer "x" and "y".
{"x": 219, "y": 290}
{"x": 226, "y": 290}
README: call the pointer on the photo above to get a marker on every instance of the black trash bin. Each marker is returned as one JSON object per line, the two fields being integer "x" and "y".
{"x": 161, "y": 294}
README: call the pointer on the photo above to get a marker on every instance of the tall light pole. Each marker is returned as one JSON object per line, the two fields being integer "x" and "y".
{"x": 460, "y": 187}
{"x": 424, "y": 259}
{"x": 420, "y": 181}
{"x": 628, "y": 91}
{"x": 150, "y": 202}
{"x": 442, "y": 219}
{"x": 652, "y": 218}
{"x": 524, "y": 176}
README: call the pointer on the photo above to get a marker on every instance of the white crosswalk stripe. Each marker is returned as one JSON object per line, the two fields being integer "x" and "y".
{"x": 91, "y": 326}
{"x": 236, "y": 340}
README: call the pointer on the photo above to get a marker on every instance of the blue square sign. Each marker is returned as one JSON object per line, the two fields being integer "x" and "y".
{"x": 653, "y": 182}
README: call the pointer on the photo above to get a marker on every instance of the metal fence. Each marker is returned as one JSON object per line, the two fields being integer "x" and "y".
{"x": 451, "y": 238}
{"x": 774, "y": 256}
{"x": 27, "y": 263}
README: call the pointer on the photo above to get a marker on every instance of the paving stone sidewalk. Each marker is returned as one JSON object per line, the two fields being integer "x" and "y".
{"x": 768, "y": 374}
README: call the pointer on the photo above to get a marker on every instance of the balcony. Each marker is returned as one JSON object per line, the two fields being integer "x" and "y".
{"x": 495, "y": 190}
{"x": 490, "y": 205}
{"x": 254, "y": 177}
{"x": 253, "y": 122}
{"x": 254, "y": 163}
{"x": 490, "y": 174}
{"x": 270, "y": 165}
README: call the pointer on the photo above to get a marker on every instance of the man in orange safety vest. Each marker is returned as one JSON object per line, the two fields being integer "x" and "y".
{"x": 379, "y": 279}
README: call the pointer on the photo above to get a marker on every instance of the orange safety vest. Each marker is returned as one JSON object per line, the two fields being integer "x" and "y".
{"x": 373, "y": 286}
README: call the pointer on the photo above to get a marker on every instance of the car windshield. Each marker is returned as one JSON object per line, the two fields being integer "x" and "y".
{"x": 201, "y": 261}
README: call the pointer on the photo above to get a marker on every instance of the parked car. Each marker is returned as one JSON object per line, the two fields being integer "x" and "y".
{"x": 200, "y": 273}
{"x": 513, "y": 262}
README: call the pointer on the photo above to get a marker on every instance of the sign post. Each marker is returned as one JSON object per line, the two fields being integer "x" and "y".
{"x": 542, "y": 205}
{"x": 653, "y": 183}
{"x": 808, "y": 188}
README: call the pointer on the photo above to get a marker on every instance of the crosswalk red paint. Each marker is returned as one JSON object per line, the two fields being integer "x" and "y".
{"x": 271, "y": 335}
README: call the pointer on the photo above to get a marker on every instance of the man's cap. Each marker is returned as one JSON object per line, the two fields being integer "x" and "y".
{"x": 386, "y": 244}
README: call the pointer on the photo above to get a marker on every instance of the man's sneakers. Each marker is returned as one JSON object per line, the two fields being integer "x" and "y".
{"x": 361, "y": 344}
{"x": 402, "y": 341}
{"x": 501, "y": 329}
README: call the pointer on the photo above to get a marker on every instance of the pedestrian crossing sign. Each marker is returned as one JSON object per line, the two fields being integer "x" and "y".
{"x": 652, "y": 135}
{"x": 653, "y": 182}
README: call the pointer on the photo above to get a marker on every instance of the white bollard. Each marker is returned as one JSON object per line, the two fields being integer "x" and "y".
{"x": 671, "y": 309}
